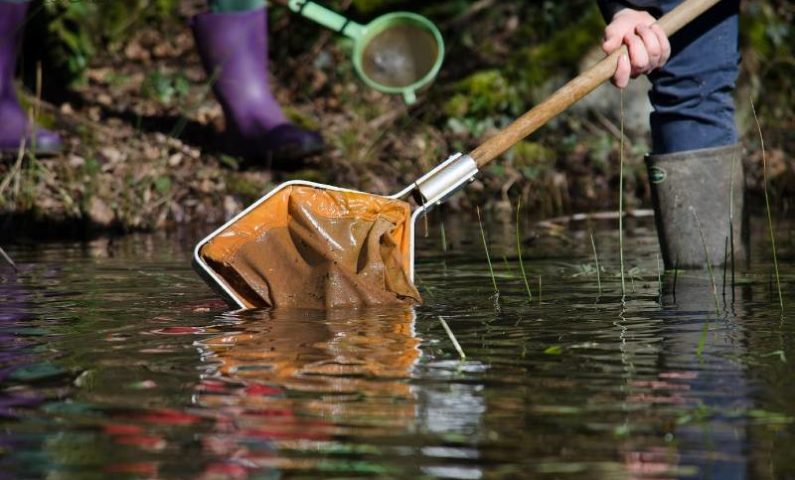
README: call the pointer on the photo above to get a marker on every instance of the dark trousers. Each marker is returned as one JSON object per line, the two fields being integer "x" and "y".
{"x": 692, "y": 94}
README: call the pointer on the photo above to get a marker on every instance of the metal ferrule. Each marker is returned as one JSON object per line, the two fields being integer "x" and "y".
{"x": 446, "y": 179}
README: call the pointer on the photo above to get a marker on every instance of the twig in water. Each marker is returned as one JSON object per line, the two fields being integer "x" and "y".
{"x": 452, "y": 338}
{"x": 519, "y": 253}
{"x": 596, "y": 261}
{"x": 767, "y": 207}
{"x": 621, "y": 202}
{"x": 488, "y": 257}
{"x": 8, "y": 259}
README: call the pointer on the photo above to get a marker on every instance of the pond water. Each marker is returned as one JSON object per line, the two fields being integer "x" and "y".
{"x": 117, "y": 361}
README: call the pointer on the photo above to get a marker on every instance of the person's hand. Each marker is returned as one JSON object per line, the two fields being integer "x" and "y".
{"x": 646, "y": 42}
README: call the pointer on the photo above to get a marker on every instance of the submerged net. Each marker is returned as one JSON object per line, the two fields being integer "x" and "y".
{"x": 308, "y": 247}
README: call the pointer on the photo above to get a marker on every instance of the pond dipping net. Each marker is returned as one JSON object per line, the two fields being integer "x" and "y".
{"x": 308, "y": 247}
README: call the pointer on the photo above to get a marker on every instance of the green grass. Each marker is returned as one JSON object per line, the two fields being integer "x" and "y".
{"x": 488, "y": 257}
{"x": 767, "y": 207}
{"x": 519, "y": 254}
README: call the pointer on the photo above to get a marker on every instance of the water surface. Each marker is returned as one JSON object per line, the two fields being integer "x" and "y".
{"x": 116, "y": 361}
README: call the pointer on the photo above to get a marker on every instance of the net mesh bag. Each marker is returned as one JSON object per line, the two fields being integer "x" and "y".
{"x": 307, "y": 247}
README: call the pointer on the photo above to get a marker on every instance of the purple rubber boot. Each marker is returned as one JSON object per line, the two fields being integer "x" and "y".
{"x": 234, "y": 50}
{"x": 14, "y": 123}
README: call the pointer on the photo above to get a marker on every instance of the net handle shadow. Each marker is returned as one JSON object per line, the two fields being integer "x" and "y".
{"x": 577, "y": 88}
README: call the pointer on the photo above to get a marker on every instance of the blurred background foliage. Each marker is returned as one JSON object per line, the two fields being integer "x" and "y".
{"x": 518, "y": 46}
{"x": 502, "y": 54}
{"x": 502, "y": 58}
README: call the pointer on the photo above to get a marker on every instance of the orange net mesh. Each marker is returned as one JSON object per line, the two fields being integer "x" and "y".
{"x": 308, "y": 247}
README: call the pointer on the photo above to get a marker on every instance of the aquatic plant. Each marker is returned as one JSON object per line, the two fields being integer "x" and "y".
{"x": 488, "y": 257}
{"x": 767, "y": 208}
{"x": 596, "y": 262}
{"x": 519, "y": 254}
{"x": 621, "y": 202}
{"x": 706, "y": 258}
{"x": 702, "y": 341}
{"x": 731, "y": 220}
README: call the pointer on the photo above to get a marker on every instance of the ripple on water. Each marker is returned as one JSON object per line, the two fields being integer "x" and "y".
{"x": 116, "y": 360}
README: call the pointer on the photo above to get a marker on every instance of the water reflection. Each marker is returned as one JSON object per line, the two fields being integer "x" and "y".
{"x": 114, "y": 361}
{"x": 699, "y": 390}
{"x": 18, "y": 362}
{"x": 274, "y": 378}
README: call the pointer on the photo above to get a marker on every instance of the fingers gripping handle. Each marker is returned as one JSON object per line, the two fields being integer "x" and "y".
{"x": 577, "y": 88}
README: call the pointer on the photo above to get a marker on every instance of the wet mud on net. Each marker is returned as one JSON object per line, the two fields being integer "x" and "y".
{"x": 307, "y": 247}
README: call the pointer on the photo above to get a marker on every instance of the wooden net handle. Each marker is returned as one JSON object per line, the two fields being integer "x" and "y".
{"x": 577, "y": 88}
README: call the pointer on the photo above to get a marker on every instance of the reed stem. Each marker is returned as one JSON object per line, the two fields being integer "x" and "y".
{"x": 767, "y": 207}
{"x": 706, "y": 258}
{"x": 596, "y": 262}
{"x": 659, "y": 279}
{"x": 725, "y": 262}
{"x": 488, "y": 257}
{"x": 519, "y": 253}
{"x": 621, "y": 202}
{"x": 702, "y": 341}
{"x": 731, "y": 221}
{"x": 443, "y": 232}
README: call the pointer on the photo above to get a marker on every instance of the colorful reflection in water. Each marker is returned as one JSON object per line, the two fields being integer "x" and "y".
{"x": 116, "y": 361}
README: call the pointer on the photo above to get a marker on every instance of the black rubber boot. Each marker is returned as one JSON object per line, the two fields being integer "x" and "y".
{"x": 698, "y": 199}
